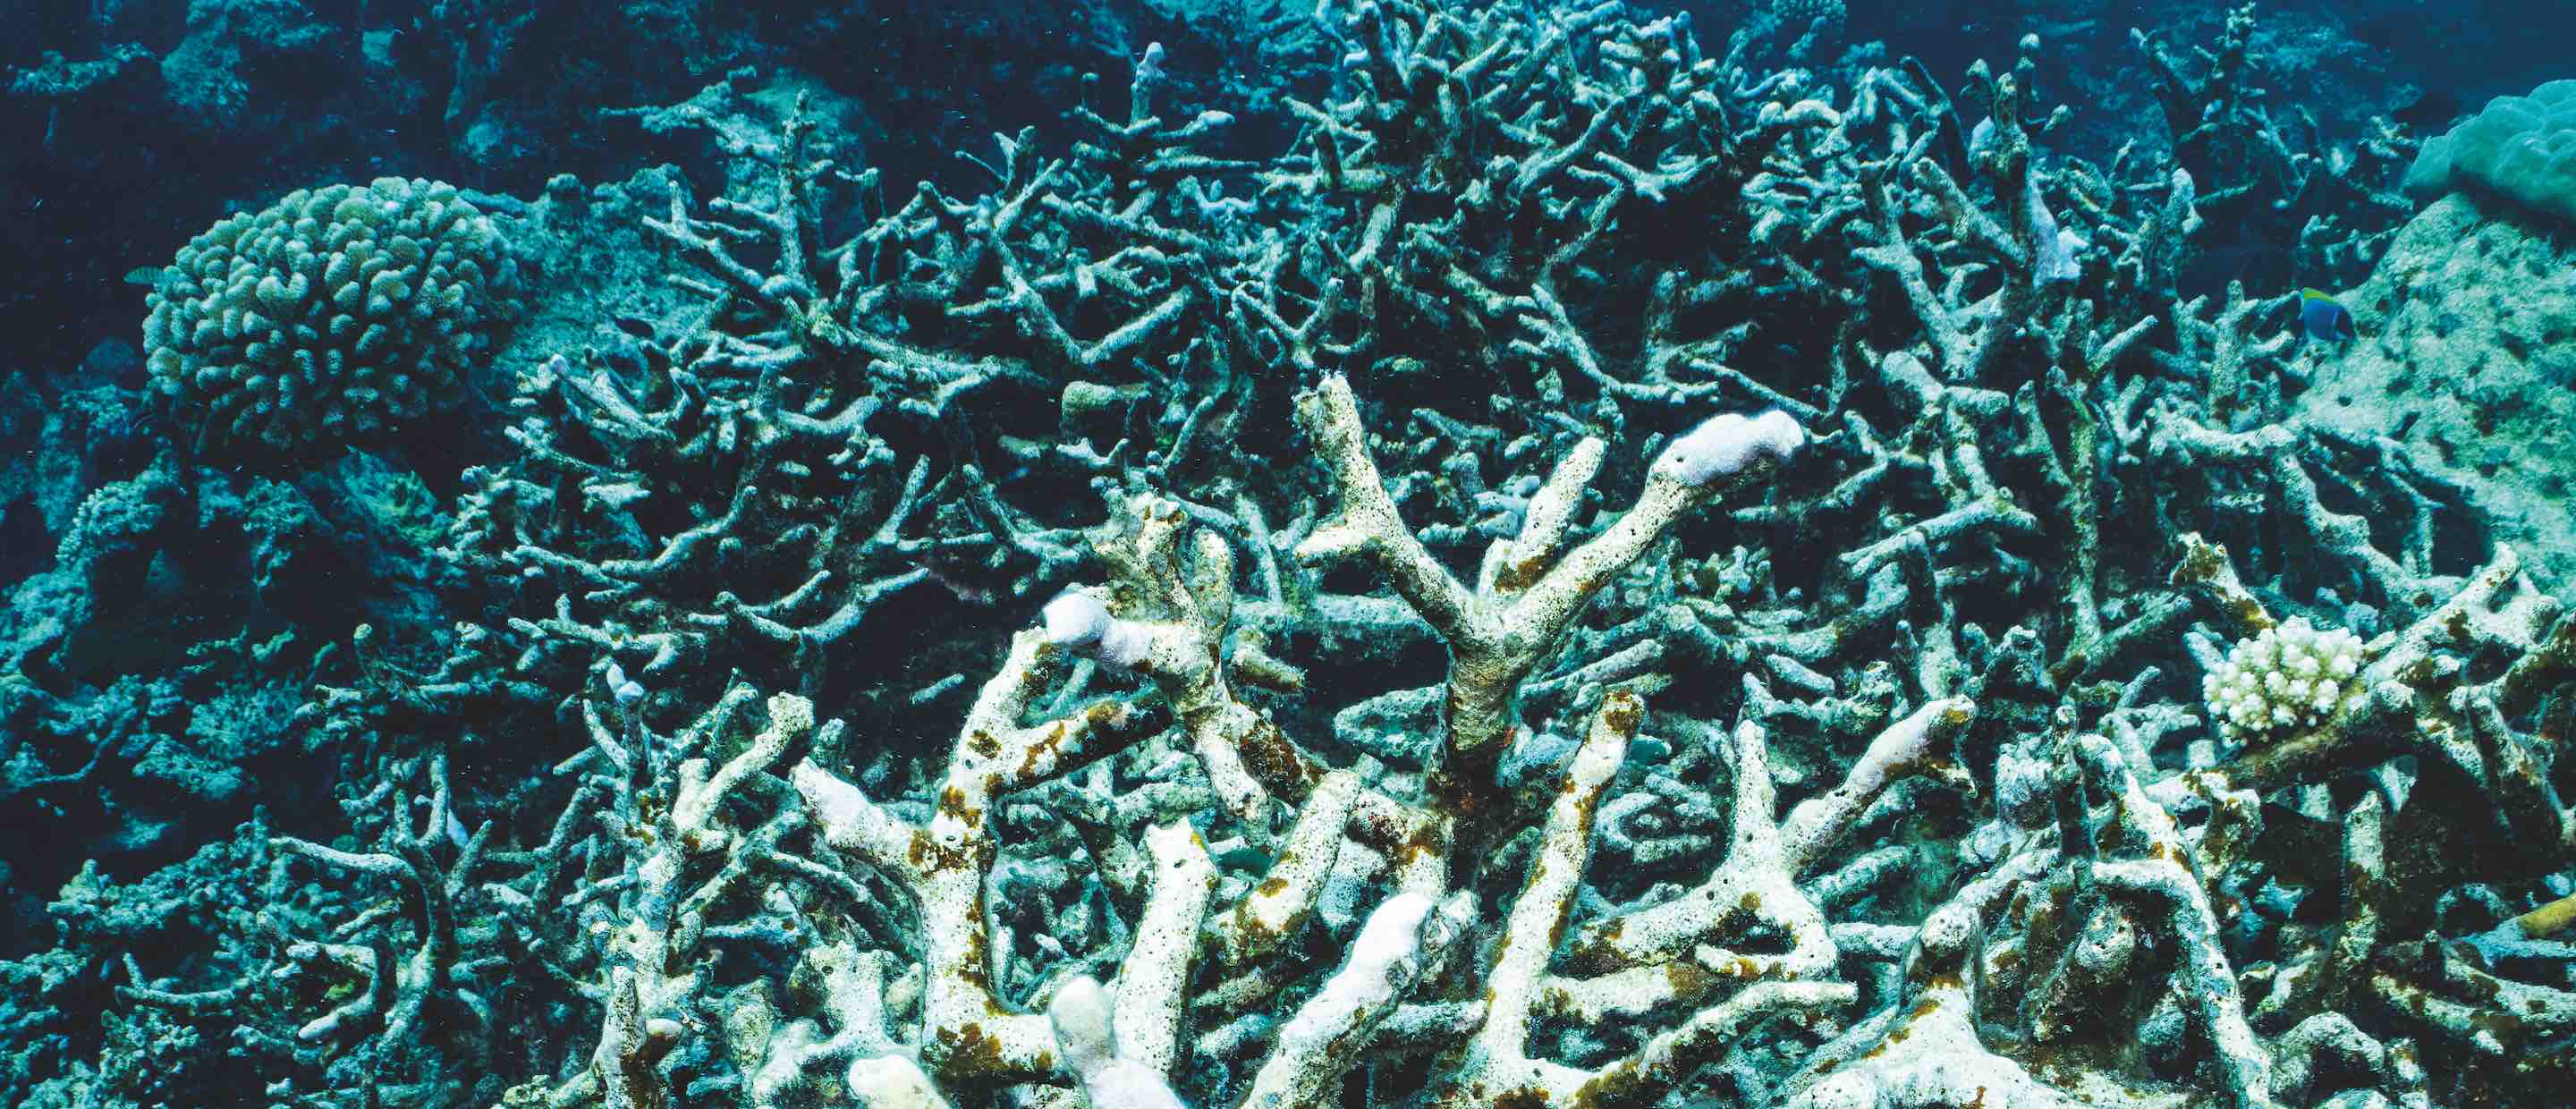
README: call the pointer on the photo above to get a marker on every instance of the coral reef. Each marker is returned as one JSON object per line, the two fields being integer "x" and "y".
{"x": 1540, "y": 560}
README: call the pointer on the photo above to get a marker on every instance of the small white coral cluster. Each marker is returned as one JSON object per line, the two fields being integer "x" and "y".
{"x": 2286, "y": 679}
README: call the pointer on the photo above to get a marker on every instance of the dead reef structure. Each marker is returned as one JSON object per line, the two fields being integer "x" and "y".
{"x": 1598, "y": 574}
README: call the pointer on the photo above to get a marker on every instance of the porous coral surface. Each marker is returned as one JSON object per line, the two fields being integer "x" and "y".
{"x": 2467, "y": 359}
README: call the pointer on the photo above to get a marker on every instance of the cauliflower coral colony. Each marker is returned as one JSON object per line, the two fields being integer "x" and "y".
{"x": 327, "y": 317}
{"x": 2283, "y": 680}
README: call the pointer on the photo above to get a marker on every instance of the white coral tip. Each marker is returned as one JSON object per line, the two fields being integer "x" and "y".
{"x": 1081, "y": 1015}
{"x": 1076, "y": 620}
{"x": 1724, "y": 445}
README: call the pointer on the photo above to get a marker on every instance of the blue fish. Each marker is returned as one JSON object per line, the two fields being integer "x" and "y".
{"x": 2326, "y": 319}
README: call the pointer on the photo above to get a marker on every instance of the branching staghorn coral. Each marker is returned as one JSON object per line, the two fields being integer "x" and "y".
{"x": 1169, "y": 625}
{"x": 668, "y": 900}
{"x": 808, "y": 401}
{"x": 1528, "y": 590}
{"x": 2273, "y": 169}
{"x": 656, "y": 598}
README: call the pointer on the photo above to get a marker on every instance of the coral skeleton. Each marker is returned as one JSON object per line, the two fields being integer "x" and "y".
{"x": 1531, "y": 560}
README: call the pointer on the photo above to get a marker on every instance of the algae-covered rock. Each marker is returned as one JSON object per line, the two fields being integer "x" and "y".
{"x": 2467, "y": 356}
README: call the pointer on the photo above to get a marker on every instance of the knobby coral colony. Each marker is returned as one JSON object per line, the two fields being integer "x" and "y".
{"x": 334, "y": 314}
{"x": 1951, "y": 593}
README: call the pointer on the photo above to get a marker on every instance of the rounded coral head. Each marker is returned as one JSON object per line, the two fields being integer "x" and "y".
{"x": 339, "y": 314}
{"x": 1726, "y": 445}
